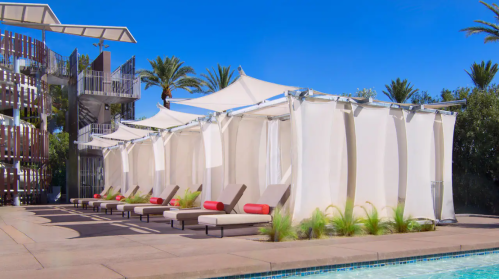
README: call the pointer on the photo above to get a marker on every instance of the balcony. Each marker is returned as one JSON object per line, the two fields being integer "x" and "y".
{"x": 85, "y": 133}
{"x": 109, "y": 88}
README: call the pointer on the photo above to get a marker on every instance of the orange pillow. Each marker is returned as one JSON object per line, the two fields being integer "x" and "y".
{"x": 252, "y": 208}
{"x": 156, "y": 200}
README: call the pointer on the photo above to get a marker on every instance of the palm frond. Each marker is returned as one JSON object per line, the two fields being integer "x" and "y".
{"x": 216, "y": 80}
{"x": 482, "y": 74}
{"x": 399, "y": 91}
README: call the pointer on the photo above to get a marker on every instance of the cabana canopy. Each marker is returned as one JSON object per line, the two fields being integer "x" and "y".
{"x": 27, "y": 13}
{"x": 243, "y": 92}
{"x": 99, "y": 142}
{"x": 127, "y": 133}
{"x": 166, "y": 118}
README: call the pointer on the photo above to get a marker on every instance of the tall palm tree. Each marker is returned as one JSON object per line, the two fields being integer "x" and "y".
{"x": 170, "y": 74}
{"x": 482, "y": 74}
{"x": 218, "y": 80}
{"x": 491, "y": 29}
{"x": 399, "y": 91}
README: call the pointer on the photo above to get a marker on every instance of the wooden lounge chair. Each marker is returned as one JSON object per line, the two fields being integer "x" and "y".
{"x": 167, "y": 195}
{"x": 275, "y": 195}
{"x": 152, "y": 209}
{"x": 96, "y": 204}
{"x": 77, "y": 201}
{"x": 143, "y": 190}
{"x": 229, "y": 197}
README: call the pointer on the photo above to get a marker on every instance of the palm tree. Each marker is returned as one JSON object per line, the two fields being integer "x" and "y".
{"x": 491, "y": 29}
{"x": 217, "y": 81}
{"x": 482, "y": 74}
{"x": 399, "y": 91}
{"x": 170, "y": 74}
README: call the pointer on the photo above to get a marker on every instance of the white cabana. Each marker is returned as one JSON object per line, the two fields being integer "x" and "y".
{"x": 126, "y": 133}
{"x": 113, "y": 169}
{"x": 166, "y": 118}
{"x": 243, "y": 92}
{"x": 100, "y": 142}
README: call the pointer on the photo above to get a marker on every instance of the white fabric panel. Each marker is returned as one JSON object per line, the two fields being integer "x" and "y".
{"x": 143, "y": 169}
{"x": 229, "y": 127}
{"x": 127, "y": 133}
{"x": 273, "y": 153}
{"x": 285, "y": 151}
{"x": 113, "y": 168}
{"x": 159, "y": 165}
{"x": 419, "y": 130}
{"x": 213, "y": 179}
{"x": 370, "y": 134}
{"x": 166, "y": 118}
{"x": 126, "y": 167}
{"x": 448, "y": 123}
{"x": 251, "y": 149}
{"x": 185, "y": 160}
{"x": 273, "y": 111}
{"x": 243, "y": 92}
{"x": 99, "y": 142}
{"x": 311, "y": 181}
{"x": 395, "y": 159}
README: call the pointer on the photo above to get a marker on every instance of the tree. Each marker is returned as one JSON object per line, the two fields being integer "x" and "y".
{"x": 482, "y": 74}
{"x": 217, "y": 81}
{"x": 490, "y": 29}
{"x": 170, "y": 74}
{"x": 364, "y": 93}
{"x": 399, "y": 91}
{"x": 60, "y": 105}
{"x": 422, "y": 98}
{"x": 58, "y": 155}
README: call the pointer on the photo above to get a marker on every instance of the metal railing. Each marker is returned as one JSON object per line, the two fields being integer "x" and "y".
{"x": 85, "y": 133}
{"x": 57, "y": 64}
{"x": 106, "y": 84}
{"x": 91, "y": 176}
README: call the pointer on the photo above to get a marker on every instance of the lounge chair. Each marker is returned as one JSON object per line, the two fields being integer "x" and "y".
{"x": 166, "y": 196}
{"x": 157, "y": 209}
{"x": 76, "y": 201}
{"x": 143, "y": 190}
{"x": 229, "y": 198}
{"x": 96, "y": 204}
{"x": 275, "y": 195}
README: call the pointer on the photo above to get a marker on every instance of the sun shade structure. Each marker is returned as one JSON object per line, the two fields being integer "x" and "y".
{"x": 166, "y": 118}
{"x": 127, "y": 133}
{"x": 99, "y": 142}
{"x": 243, "y": 92}
{"x": 11, "y": 13}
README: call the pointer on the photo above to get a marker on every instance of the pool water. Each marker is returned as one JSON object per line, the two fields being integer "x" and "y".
{"x": 481, "y": 267}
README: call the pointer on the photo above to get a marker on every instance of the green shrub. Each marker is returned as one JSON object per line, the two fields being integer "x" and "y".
{"x": 424, "y": 227}
{"x": 314, "y": 227}
{"x": 281, "y": 228}
{"x": 111, "y": 195}
{"x": 399, "y": 223}
{"x": 187, "y": 201}
{"x": 372, "y": 223}
{"x": 138, "y": 198}
{"x": 346, "y": 223}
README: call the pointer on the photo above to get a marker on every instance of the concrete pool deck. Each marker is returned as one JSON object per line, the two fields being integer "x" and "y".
{"x": 61, "y": 242}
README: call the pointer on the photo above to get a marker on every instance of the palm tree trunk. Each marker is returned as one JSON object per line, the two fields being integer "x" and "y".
{"x": 166, "y": 94}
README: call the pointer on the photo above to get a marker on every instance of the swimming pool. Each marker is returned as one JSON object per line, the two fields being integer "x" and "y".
{"x": 476, "y": 266}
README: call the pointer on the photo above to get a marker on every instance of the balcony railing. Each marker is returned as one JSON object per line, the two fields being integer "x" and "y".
{"x": 106, "y": 84}
{"x": 85, "y": 133}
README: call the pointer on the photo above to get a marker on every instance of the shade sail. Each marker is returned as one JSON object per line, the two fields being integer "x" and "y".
{"x": 166, "y": 118}
{"x": 99, "y": 142}
{"x": 110, "y": 33}
{"x": 27, "y": 13}
{"x": 127, "y": 133}
{"x": 243, "y": 92}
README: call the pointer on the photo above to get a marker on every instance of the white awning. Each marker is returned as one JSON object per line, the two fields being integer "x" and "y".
{"x": 110, "y": 33}
{"x": 166, "y": 118}
{"x": 27, "y": 13}
{"x": 127, "y": 133}
{"x": 243, "y": 92}
{"x": 99, "y": 142}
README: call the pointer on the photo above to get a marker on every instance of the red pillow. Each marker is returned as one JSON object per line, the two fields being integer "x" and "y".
{"x": 156, "y": 200}
{"x": 120, "y": 198}
{"x": 97, "y": 196}
{"x": 213, "y": 205}
{"x": 174, "y": 202}
{"x": 252, "y": 208}
{"x": 105, "y": 196}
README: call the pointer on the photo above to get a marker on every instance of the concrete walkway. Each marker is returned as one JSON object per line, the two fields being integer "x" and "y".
{"x": 63, "y": 242}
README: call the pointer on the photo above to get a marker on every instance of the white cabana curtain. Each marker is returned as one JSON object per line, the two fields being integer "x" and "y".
{"x": 113, "y": 168}
{"x": 213, "y": 182}
{"x": 159, "y": 165}
{"x": 448, "y": 123}
{"x": 285, "y": 151}
{"x": 126, "y": 167}
{"x": 142, "y": 169}
{"x": 274, "y": 174}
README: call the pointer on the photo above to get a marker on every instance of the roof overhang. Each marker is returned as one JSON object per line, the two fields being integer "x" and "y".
{"x": 27, "y": 13}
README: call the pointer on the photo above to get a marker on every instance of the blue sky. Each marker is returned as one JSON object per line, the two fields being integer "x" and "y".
{"x": 330, "y": 46}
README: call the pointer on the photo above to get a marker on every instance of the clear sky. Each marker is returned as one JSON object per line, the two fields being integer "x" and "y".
{"x": 331, "y": 46}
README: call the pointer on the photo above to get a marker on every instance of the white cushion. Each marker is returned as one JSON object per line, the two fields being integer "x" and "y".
{"x": 234, "y": 219}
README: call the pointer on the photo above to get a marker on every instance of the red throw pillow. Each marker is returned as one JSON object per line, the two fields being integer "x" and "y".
{"x": 213, "y": 205}
{"x": 120, "y": 198}
{"x": 252, "y": 208}
{"x": 156, "y": 200}
{"x": 97, "y": 196}
{"x": 174, "y": 202}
